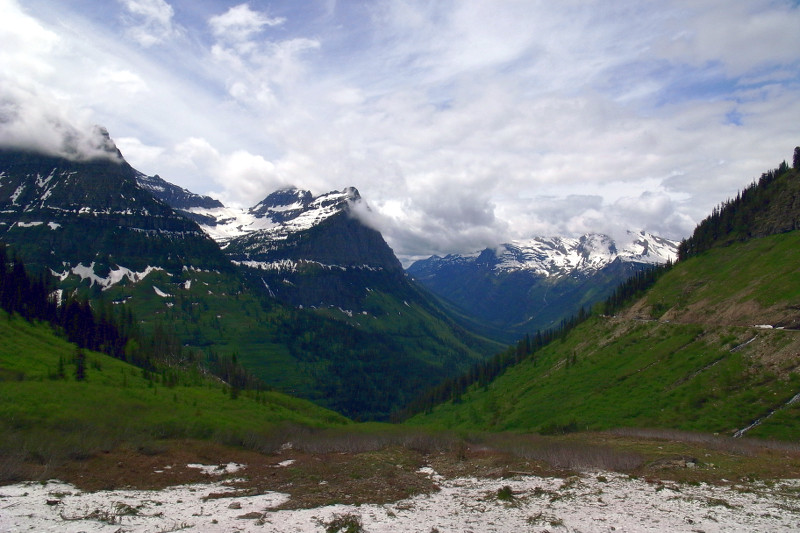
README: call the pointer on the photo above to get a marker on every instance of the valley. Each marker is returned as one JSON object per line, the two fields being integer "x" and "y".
{"x": 259, "y": 367}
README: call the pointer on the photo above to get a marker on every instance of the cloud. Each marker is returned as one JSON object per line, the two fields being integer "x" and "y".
{"x": 240, "y": 23}
{"x": 242, "y": 178}
{"x": 462, "y": 123}
{"x": 256, "y": 70}
{"x": 28, "y": 121}
{"x": 149, "y": 22}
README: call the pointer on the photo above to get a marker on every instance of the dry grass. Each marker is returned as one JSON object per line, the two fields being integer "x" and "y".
{"x": 743, "y": 446}
{"x": 567, "y": 455}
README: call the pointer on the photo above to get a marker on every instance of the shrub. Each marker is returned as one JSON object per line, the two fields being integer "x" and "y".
{"x": 344, "y": 523}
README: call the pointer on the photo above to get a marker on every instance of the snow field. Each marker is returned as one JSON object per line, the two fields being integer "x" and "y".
{"x": 592, "y": 502}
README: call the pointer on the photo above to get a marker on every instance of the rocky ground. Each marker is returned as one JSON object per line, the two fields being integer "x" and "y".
{"x": 396, "y": 489}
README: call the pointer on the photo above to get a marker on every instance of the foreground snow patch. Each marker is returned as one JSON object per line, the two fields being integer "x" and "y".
{"x": 592, "y": 502}
{"x": 217, "y": 470}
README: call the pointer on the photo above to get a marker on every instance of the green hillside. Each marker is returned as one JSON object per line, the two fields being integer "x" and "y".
{"x": 49, "y": 415}
{"x": 89, "y": 231}
{"x": 687, "y": 355}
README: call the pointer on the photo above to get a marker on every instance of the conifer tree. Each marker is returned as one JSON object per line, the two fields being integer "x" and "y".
{"x": 80, "y": 365}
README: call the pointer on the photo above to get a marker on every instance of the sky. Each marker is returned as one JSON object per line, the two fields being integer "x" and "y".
{"x": 463, "y": 123}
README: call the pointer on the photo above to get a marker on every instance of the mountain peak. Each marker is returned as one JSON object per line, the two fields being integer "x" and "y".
{"x": 289, "y": 198}
{"x": 175, "y": 196}
{"x": 558, "y": 256}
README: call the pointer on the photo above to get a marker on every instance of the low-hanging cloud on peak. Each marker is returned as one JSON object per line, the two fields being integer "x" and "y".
{"x": 29, "y": 122}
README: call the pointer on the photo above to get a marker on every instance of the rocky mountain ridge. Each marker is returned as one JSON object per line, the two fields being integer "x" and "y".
{"x": 523, "y": 286}
{"x": 562, "y": 256}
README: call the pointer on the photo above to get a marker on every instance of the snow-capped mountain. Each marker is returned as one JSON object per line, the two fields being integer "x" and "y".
{"x": 526, "y": 285}
{"x": 308, "y": 250}
{"x": 98, "y": 229}
{"x": 314, "y": 251}
{"x": 563, "y": 255}
{"x": 65, "y": 213}
{"x": 280, "y": 214}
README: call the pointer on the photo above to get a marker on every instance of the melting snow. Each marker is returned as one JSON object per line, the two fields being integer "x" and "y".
{"x": 235, "y": 222}
{"x": 114, "y": 276}
{"x": 29, "y": 224}
{"x": 587, "y": 503}
{"x": 217, "y": 470}
{"x": 16, "y": 194}
{"x": 161, "y": 293}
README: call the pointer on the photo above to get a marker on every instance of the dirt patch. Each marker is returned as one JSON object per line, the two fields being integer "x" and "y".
{"x": 396, "y": 473}
{"x": 311, "y": 480}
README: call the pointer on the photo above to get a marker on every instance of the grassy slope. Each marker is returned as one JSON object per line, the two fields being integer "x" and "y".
{"x": 689, "y": 368}
{"x": 212, "y": 311}
{"x": 115, "y": 404}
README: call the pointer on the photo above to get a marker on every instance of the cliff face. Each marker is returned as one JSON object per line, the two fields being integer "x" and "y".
{"x": 59, "y": 212}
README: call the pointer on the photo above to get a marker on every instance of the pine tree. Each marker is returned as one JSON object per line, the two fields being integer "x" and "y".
{"x": 80, "y": 365}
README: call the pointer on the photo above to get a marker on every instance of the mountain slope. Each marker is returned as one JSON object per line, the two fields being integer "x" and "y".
{"x": 530, "y": 285}
{"x": 46, "y": 418}
{"x": 700, "y": 351}
{"x": 93, "y": 227}
{"x": 64, "y": 214}
{"x": 719, "y": 374}
{"x": 315, "y": 251}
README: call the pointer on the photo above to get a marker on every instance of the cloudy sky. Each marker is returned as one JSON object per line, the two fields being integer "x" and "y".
{"x": 464, "y": 123}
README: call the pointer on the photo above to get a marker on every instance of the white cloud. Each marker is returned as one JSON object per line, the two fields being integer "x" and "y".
{"x": 149, "y": 22}
{"x": 462, "y": 123}
{"x": 742, "y": 36}
{"x": 30, "y": 121}
{"x": 240, "y": 23}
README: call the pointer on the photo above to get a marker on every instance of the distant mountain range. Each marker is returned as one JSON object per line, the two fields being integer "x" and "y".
{"x": 305, "y": 295}
{"x": 710, "y": 345}
{"x": 524, "y": 286}
{"x": 296, "y": 289}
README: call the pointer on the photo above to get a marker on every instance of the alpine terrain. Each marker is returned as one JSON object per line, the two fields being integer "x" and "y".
{"x": 295, "y": 292}
{"x": 711, "y": 345}
{"x": 524, "y": 286}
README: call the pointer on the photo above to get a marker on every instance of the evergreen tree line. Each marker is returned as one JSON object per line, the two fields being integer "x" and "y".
{"x": 633, "y": 287}
{"x": 483, "y": 373}
{"x": 33, "y": 298}
{"x": 101, "y": 328}
{"x": 747, "y": 215}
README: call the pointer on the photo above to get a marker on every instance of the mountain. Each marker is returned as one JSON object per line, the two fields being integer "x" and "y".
{"x": 343, "y": 327}
{"x": 314, "y": 251}
{"x": 712, "y": 346}
{"x": 525, "y": 286}
{"x": 81, "y": 218}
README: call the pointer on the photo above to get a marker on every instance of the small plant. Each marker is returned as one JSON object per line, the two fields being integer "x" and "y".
{"x": 344, "y": 523}
{"x": 505, "y": 494}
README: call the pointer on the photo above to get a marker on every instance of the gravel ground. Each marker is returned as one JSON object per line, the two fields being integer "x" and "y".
{"x": 589, "y": 502}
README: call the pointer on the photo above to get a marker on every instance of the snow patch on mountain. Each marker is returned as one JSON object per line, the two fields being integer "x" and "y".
{"x": 288, "y": 265}
{"x": 115, "y": 276}
{"x": 161, "y": 293}
{"x": 279, "y": 215}
{"x": 558, "y": 256}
